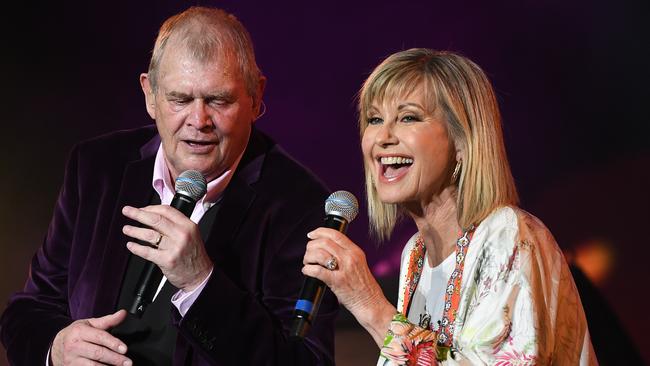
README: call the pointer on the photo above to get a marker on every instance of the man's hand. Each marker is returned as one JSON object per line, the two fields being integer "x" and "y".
{"x": 87, "y": 342}
{"x": 180, "y": 254}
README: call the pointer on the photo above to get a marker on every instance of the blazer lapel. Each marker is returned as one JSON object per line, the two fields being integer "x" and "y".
{"x": 136, "y": 191}
{"x": 237, "y": 198}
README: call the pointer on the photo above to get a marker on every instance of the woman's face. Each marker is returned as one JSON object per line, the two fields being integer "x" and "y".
{"x": 407, "y": 150}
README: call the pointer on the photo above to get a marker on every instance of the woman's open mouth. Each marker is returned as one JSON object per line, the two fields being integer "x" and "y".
{"x": 394, "y": 167}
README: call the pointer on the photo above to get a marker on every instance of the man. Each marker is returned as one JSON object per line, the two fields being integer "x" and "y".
{"x": 232, "y": 280}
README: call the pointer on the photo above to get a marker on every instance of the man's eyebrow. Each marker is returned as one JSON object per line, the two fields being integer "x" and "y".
{"x": 224, "y": 94}
{"x": 221, "y": 94}
{"x": 175, "y": 94}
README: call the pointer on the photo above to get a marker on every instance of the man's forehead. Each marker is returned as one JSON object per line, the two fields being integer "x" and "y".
{"x": 217, "y": 59}
{"x": 181, "y": 65}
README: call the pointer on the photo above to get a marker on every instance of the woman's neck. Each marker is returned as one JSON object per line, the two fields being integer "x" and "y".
{"x": 437, "y": 223}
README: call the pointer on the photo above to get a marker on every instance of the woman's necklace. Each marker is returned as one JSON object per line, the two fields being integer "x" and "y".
{"x": 445, "y": 331}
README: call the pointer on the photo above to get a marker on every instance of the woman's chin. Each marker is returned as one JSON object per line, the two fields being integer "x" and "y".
{"x": 392, "y": 197}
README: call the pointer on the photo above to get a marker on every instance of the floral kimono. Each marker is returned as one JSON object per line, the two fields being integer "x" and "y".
{"x": 515, "y": 303}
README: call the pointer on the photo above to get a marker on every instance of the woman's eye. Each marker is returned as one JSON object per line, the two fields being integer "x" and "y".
{"x": 410, "y": 118}
{"x": 374, "y": 120}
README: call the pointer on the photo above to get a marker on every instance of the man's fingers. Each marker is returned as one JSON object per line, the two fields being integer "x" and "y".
{"x": 140, "y": 233}
{"x": 108, "y": 321}
{"x": 156, "y": 220}
{"x": 166, "y": 211}
{"x": 94, "y": 352}
{"x": 150, "y": 254}
{"x": 98, "y": 335}
{"x": 154, "y": 214}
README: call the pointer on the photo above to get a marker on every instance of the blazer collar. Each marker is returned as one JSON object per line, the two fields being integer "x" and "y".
{"x": 136, "y": 191}
{"x": 239, "y": 195}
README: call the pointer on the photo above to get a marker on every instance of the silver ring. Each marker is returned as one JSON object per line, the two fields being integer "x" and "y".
{"x": 331, "y": 264}
{"x": 157, "y": 242}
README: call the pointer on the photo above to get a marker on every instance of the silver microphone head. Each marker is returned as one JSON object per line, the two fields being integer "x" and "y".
{"x": 191, "y": 184}
{"x": 343, "y": 204}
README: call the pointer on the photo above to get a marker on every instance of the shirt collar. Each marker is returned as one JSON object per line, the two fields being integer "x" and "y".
{"x": 163, "y": 185}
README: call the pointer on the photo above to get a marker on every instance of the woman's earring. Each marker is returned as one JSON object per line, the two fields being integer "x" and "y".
{"x": 454, "y": 175}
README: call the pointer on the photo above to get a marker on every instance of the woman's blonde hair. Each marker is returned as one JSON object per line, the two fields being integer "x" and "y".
{"x": 463, "y": 92}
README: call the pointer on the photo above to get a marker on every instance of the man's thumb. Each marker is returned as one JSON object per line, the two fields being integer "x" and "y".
{"x": 108, "y": 321}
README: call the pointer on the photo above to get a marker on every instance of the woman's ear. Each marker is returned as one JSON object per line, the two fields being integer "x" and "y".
{"x": 459, "y": 151}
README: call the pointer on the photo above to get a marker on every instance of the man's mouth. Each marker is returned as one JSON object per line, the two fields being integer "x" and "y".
{"x": 394, "y": 166}
{"x": 198, "y": 142}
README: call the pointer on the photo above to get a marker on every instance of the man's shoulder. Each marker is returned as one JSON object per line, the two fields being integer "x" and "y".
{"x": 282, "y": 177}
{"x": 118, "y": 145}
{"x": 128, "y": 138}
{"x": 293, "y": 171}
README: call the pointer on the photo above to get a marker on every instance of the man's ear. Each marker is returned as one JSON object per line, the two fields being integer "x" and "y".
{"x": 149, "y": 97}
{"x": 257, "y": 102}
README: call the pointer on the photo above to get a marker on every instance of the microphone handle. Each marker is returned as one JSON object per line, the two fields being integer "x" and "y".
{"x": 183, "y": 204}
{"x": 312, "y": 290}
{"x": 150, "y": 278}
{"x": 151, "y": 275}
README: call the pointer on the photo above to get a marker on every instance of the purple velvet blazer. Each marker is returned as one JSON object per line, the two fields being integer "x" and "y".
{"x": 257, "y": 243}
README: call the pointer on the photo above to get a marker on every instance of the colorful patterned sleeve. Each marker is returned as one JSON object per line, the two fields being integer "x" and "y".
{"x": 407, "y": 344}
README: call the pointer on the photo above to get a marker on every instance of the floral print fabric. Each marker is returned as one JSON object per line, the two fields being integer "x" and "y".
{"x": 518, "y": 305}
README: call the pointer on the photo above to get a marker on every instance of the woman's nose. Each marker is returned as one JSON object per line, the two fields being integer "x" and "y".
{"x": 386, "y": 135}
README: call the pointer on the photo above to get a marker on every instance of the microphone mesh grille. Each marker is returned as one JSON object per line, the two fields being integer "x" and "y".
{"x": 343, "y": 204}
{"x": 192, "y": 184}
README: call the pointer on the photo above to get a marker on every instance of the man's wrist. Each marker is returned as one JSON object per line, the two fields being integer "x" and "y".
{"x": 183, "y": 300}
{"x": 199, "y": 279}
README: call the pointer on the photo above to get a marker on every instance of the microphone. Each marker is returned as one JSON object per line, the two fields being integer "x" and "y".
{"x": 190, "y": 187}
{"x": 341, "y": 207}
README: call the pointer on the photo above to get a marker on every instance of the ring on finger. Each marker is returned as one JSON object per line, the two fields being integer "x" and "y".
{"x": 157, "y": 242}
{"x": 331, "y": 264}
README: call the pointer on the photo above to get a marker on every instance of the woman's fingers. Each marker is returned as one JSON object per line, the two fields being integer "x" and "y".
{"x": 320, "y": 272}
{"x": 336, "y": 237}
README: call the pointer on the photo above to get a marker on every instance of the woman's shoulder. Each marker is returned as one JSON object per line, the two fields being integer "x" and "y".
{"x": 409, "y": 246}
{"x": 509, "y": 228}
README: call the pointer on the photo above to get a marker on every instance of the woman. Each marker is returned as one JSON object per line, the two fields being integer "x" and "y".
{"x": 482, "y": 281}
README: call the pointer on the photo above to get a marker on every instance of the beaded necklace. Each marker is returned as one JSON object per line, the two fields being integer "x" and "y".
{"x": 445, "y": 332}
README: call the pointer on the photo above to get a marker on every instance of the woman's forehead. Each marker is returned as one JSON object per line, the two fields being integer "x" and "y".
{"x": 393, "y": 97}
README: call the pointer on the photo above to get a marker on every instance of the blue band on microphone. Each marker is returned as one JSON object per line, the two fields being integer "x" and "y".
{"x": 304, "y": 305}
{"x": 191, "y": 181}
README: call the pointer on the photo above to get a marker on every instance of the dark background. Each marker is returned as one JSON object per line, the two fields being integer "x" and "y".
{"x": 571, "y": 77}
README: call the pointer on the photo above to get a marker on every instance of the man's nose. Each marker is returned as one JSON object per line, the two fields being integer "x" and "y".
{"x": 199, "y": 116}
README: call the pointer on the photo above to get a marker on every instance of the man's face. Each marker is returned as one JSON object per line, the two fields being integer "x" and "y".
{"x": 203, "y": 111}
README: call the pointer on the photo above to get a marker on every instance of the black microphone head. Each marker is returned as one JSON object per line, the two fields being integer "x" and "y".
{"x": 192, "y": 184}
{"x": 343, "y": 204}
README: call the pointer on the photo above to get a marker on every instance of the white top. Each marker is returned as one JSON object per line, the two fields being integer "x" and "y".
{"x": 518, "y": 304}
{"x": 429, "y": 297}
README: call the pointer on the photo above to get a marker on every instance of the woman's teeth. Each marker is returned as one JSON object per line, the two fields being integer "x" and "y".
{"x": 391, "y": 160}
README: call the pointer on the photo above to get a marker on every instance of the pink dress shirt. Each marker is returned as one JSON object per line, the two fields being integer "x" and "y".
{"x": 163, "y": 185}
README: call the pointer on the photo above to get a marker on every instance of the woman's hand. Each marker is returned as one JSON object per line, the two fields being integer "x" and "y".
{"x": 351, "y": 281}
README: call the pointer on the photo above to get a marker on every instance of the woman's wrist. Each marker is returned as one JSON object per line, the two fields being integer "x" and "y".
{"x": 376, "y": 319}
